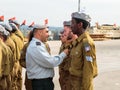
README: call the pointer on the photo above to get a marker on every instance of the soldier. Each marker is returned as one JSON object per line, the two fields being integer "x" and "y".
{"x": 21, "y": 36}
{"x": 83, "y": 55}
{"x": 16, "y": 74}
{"x": 10, "y": 43}
{"x": 6, "y": 55}
{"x": 64, "y": 78}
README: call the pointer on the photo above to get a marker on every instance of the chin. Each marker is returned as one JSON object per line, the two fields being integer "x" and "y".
{"x": 45, "y": 40}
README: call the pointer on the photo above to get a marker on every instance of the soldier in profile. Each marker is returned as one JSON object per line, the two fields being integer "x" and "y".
{"x": 83, "y": 66}
{"x": 66, "y": 38}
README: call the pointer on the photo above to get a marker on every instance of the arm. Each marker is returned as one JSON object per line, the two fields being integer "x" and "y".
{"x": 89, "y": 65}
{"x": 41, "y": 57}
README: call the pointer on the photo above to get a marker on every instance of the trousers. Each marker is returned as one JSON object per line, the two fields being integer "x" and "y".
{"x": 42, "y": 84}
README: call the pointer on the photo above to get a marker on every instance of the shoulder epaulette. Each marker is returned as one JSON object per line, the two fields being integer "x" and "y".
{"x": 38, "y": 43}
{"x": 86, "y": 45}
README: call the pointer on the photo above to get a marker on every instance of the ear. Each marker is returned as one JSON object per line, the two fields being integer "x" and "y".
{"x": 80, "y": 25}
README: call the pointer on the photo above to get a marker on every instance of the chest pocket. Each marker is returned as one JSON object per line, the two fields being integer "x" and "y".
{"x": 76, "y": 54}
{"x": 76, "y": 50}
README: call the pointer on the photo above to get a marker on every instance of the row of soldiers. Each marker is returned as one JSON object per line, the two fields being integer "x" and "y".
{"x": 11, "y": 44}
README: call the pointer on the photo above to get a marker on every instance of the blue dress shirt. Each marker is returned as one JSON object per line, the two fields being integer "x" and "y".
{"x": 39, "y": 63}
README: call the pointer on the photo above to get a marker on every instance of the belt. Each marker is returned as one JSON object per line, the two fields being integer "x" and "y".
{"x": 49, "y": 78}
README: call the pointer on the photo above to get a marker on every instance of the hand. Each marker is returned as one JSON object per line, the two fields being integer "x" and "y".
{"x": 74, "y": 36}
{"x": 66, "y": 51}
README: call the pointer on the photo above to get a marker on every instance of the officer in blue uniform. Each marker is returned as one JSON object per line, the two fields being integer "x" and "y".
{"x": 39, "y": 63}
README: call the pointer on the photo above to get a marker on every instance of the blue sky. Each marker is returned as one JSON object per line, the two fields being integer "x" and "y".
{"x": 57, "y": 11}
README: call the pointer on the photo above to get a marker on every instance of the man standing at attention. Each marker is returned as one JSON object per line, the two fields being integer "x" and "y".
{"x": 39, "y": 63}
{"x": 83, "y": 55}
{"x": 66, "y": 38}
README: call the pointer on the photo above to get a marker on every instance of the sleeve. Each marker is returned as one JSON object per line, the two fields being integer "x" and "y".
{"x": 0, "y": 62}
{"x": 11, "y": 59}
{"x": 89, "y": 56}
{"x": 23, "y": 56}
{"x": 44, "y": 59}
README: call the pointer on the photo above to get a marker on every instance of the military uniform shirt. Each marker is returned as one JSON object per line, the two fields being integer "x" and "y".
{"x": 83, "y": 62}
{"x": 39, "y": 63}
{"x": 0, "y": 61}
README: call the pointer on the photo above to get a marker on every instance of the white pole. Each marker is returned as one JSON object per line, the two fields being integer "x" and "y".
{"x": 78, "y": 5}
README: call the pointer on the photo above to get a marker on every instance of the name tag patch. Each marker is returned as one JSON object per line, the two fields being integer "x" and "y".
{"x": 89, "y": 58}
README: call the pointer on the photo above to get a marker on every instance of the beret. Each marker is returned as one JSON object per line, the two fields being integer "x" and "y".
{"x": 41, "y": 27}
{"x": 14, "y": 27}
{"x": 3, "y": 31}
{"x": 6, "y": 26}
{"x": 82, "y": 16}
{"x": 14, "y": 21}
{"x": 67, "y": 23}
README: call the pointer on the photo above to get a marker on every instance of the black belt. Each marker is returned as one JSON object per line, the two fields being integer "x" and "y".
{"x": 49, "y": 78}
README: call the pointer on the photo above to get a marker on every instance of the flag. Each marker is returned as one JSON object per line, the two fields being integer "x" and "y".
{"x": 31, "y": 24}
{"x": 13, "y": 18}
{"x": 114, "y": 24}
{"x": 23, "y": 23}
{"x": 1, "y": 18}
{"x": 46, "y": 21}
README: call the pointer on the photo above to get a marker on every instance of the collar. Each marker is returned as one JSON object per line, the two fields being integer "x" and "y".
{"x": 80, "y": 38}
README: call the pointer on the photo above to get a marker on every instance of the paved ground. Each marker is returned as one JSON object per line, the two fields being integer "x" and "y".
{"x": 108, "y": 59}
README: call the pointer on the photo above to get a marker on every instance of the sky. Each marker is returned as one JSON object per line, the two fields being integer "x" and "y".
{"x": 57, "y": 11}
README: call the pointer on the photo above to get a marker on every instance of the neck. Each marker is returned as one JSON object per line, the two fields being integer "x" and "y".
{"x": 80, "y": 32}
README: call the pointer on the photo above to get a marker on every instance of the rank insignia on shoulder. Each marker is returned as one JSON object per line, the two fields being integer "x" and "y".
{"x": 38, "y": 43}
{"x": 87, "y": 47}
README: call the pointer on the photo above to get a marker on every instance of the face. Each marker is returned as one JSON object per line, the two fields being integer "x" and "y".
{"x": 44, "y": 35}
{"x": 63, "y": 37}
{"x": 74, "y": 26}
{"x": 68, "y": 32}
{"x": 1, "y": 37}
{"x": 67, "y": 29}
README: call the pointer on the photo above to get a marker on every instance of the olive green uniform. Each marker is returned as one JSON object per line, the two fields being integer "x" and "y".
{"x": 19, "y": 80}
{"x": 1, "y": 56}
{"x": 4, "y": 65}
{"x": 20, "y": 35}
{"x": 64, "y": 75}
{"x": 17, "y": 69}
{"x": 83, "y": 63}
{"x": 9, "y": 42}
{"x": 28, "y": 83}
{"x": 47, "y": 47}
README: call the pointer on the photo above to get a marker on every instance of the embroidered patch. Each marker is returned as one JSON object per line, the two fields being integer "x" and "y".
{"x": 87, "y": 48}
{"x": 89, "y": 58}
{"x": 38, "y": 43}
